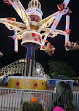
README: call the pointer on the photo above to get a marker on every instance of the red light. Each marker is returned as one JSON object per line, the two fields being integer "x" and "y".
{"x": 33, "y": 34}
{"x": 17, "y": 84}
{"x": 6, "y": 1}
{"x": 35, "y": 84}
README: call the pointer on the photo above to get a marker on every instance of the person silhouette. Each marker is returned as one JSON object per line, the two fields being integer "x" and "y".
{"x": 63, "y": 98}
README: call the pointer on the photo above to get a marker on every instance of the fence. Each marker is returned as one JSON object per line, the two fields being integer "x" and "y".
{"x": 11, "y": 99}
{"x": 76, "y": 100}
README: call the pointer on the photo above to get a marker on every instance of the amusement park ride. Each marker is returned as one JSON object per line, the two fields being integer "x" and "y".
{"x": 34, "y": 30}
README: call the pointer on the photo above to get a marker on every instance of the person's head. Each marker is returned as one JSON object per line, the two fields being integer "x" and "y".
{"x": 31, "y": 106}
{"x": 63, "y": 96}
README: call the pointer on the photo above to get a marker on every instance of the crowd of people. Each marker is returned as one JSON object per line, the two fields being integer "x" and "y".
{"x": 62, "y": 101}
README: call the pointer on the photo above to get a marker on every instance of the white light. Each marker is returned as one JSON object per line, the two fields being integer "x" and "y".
{"x": 38, "y": 70}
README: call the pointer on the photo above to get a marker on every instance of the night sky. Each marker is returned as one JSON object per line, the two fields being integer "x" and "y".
{"x": 48, "y": 7}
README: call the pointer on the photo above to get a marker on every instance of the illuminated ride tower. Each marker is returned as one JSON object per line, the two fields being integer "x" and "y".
{"x": 34, "y": 33}
{"x": 32, "y": 39}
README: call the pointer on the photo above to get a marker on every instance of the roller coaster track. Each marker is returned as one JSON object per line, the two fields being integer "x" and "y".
{"x": 18, "y": 67}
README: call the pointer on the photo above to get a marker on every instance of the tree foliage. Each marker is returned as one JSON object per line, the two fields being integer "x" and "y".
{"x": 60, "y": 68}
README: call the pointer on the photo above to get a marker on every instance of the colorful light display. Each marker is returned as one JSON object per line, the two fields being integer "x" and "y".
{"x": 30, "y": 30}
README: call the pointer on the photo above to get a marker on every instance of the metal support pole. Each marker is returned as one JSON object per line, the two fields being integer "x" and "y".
{"x": 30, "y": 58}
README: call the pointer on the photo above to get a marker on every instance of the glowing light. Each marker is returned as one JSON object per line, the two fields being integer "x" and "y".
{"x": 67, "y": 38}
{"x": 66, "y": 2}
{"x": 15, "y": 42}
{"x": 38, "y": 70}
{"x": 16, "y": 45}
{"x": 67, "y": 21}
{"x": 67, "y": 29}
{"x": 53, "y": 27}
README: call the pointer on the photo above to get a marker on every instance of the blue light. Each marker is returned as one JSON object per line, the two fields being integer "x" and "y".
{"x": 38, "y": 10}
{"x": 27, "y": 10}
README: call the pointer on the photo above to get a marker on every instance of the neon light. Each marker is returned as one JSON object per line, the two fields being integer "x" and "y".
{"x": 54, "y": 25}
{"x": 67, "y": 27}
{"x": 67, "y": 21}
{"x": 16, "y": 45}
{"x": 34, "y": 11}
{"x": 67, "y": 38}
{"x": 16, "y": 8}
{"x": 27, "y": 10}
{"x": 38, "y": 10}
{"x": 66, "y": 2}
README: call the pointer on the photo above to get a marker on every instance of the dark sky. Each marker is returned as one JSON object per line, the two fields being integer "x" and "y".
{"x": 48, "y": 8}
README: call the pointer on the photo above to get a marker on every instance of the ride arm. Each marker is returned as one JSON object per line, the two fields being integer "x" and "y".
{"x": 67, "y": 29}
{"x": 56, "y": 22}
{"x": 54, "y": 18}
{"x": 66, "y": 3}
{"x": 13, "y": 25}
{"x": 56, "y": 32}
{"x": 21, "y": 11}
{"x": 17, "y": 36}
{"x": 62, "y": 11}
{"x": 47, "y": 21}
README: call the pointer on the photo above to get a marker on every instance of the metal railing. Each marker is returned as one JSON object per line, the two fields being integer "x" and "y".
{"x": 76, "y": 100}
{"x": 11, "y": 99}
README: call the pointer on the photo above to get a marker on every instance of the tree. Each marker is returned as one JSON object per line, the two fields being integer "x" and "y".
{"x": 60, "y": 68}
